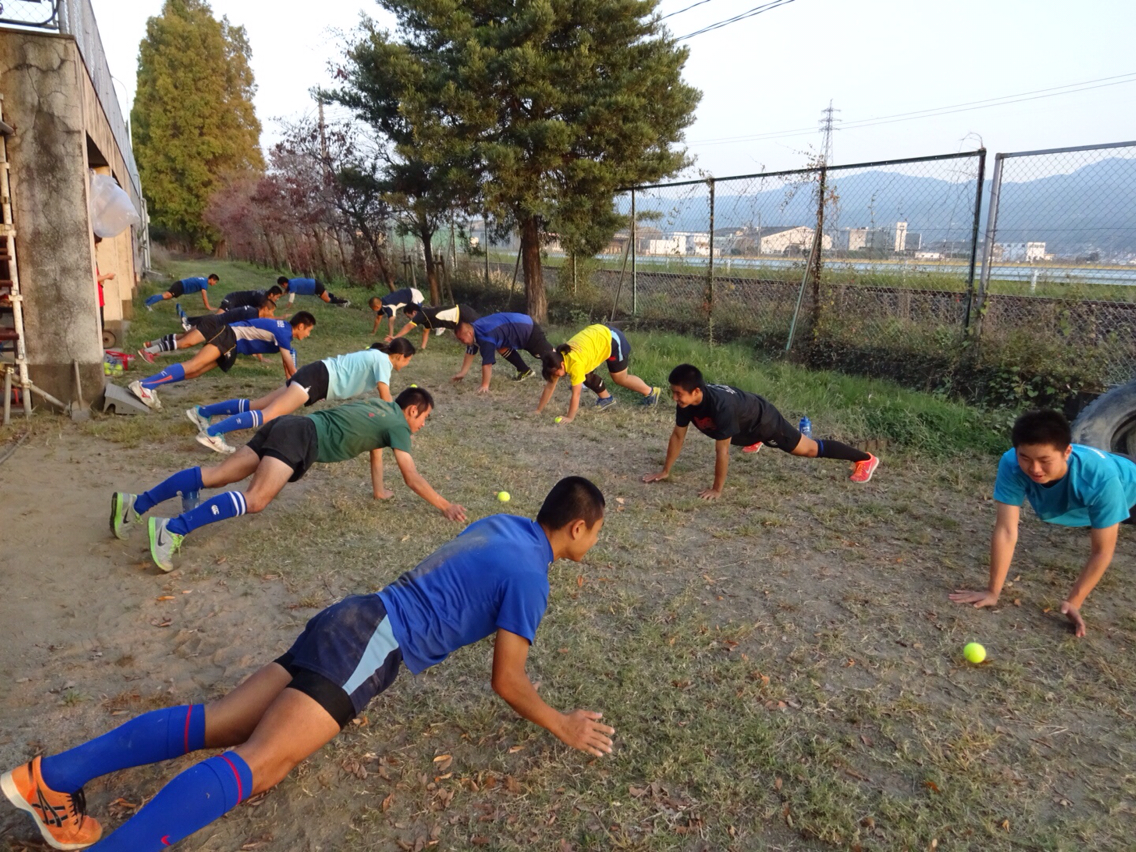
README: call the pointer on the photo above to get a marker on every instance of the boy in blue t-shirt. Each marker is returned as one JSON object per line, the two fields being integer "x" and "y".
{"x": 309, "y": 287}
{"x": 504, "y": 333}
{"x": 183, "y": 288}
{"x": 492, "y": 580}
{"x": 1066, "y": 484}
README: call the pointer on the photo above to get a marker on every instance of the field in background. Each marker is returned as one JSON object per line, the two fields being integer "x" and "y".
{"x": 782, "y": 667}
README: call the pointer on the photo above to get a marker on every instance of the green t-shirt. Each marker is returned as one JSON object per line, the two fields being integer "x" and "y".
{"x": 355, "y": 428}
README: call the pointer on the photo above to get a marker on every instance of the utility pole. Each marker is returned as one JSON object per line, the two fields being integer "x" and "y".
{"x": 827, "y": 128}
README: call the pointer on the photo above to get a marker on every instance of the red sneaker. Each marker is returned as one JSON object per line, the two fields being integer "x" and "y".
{"x": 752, "y": 448}
{"x": 60, "y": 817}
{"x": 146, "y": 356}
{"x": 864, "y": 469}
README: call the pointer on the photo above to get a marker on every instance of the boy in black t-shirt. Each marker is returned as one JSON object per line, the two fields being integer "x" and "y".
{"x": 732, "y": 416}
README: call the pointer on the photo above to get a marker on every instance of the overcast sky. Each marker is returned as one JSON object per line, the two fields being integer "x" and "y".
{"x": 766, "y": 79}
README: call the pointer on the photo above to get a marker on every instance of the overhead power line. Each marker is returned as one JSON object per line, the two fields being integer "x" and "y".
{"x": 1005, "y": 100}
{"x": 757, "y": 10}
{"x": 687, "y": 9}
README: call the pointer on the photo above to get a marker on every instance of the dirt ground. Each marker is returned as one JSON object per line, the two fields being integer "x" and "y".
{"x": 783, "y": 667}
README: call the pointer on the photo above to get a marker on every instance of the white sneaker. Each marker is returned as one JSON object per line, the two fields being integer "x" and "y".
{"x": 214, "y": 442}
{"x": 148, "y": 398}
{"x": 197, "y": 418}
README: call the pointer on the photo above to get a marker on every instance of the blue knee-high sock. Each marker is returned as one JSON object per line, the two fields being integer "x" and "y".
{"x": 200, "y": 795}
{"x": 231, "y": 504}
{"x": 149, "y": 738}
{"x": 226, "y": 408}
{"x": 247, "y": 420}
{"x": 153, "y": 300}
{"x": 172, "y": 373}
{"x": 183, "y": 482}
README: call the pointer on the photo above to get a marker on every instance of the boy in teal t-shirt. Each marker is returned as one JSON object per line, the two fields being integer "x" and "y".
{"x": 1066, "y": 484}
{"x": 281, "y": 452}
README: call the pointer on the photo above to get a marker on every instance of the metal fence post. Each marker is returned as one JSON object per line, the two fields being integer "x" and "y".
{"x": 634, "y": 281}
{"x": 974, "y": 239}
{"x": 710, "y": 273}
{"x": 988, "y": 246}
{"x": 485, "y": 221}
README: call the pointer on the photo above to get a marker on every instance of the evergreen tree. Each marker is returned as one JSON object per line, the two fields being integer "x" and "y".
{"x": 556, "y": 103}
{"x": 193, "y": 120}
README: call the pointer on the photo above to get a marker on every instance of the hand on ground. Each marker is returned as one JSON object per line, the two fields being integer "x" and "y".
{"x": 979, "y": 599}
{"x": 1074, "y": 615}
{"x": 385, "y": 494}
{"x": 654, "y": 477}
{"x": 583, "y": 730}
{"x": 483, "y": 389}
{"x": 710, "y": 494}
{"x": 454, "y": 512}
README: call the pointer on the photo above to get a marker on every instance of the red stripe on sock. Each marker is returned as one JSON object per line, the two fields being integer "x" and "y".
{"x": 237, "y": 775}
{"x": 188, "y": 714}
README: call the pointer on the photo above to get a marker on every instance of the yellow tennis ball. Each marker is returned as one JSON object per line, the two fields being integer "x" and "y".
{"x": 557, "y": 420}
{"x": 414, "y": 386}
{"x": 503, "y": 496}
{"x": 974, "y": 652}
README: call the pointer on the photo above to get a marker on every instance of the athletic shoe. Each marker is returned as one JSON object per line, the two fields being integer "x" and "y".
{"x": 652, "y": 399}
{"x": 60, "y": 817}
{"x": 182, "y": 316}
{"x": 214, "y": 442}
{"x": 148, "y": 357}
{"x": 197, "y": 418}
{"x": 122, "y": 514}
{"x": 342, "y": 303}
{"x": 147, "y": 397}
{"x": 605, "y": 402}
{"x": 864, "y": 469}
{"x": 752, "y": 448}
{"x": 520, "y": 377}
{"x": 163, "y": 543}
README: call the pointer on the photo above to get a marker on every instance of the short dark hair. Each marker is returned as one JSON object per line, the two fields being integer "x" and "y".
{"x": 398, "y": 346}
{"x": 302, "y": 318}
{"x": 415, "y": 396}
{"x": 686, "y": 376}
{"x": 410, "y": 309}
{"x": 261, "y": 301}
{"x": 213, "y": 276}
{"x": 282, "y": 280}
{"x": 572, "y": 499}
{"x": 1042, "y": 427}
{"x": 274, "y": 291}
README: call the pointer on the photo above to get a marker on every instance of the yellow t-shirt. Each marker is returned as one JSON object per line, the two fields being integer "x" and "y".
{"x": 590, "y": 348}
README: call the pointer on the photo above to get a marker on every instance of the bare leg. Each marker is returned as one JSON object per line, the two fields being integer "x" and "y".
{"x": 230, "y": 720}
{"x": 292, "y": 728}
{"x": 808, "y": 448}
{"x": 626, "y": 380}
{"x": 236, "y": 467}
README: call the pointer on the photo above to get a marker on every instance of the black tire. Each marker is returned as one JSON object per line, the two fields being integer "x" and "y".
{"x": 110, "y": 339}
{"x": 1109, "y": 421}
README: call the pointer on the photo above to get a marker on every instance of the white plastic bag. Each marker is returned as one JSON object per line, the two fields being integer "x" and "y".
{"x": 111, "y": 209}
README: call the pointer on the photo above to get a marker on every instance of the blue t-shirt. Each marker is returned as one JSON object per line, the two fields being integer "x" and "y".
{"x": 193, "y": 285}
{"x": 357, "y": 372}
{"x": 1098, "y": 490}
{"x": 494, "y": 575}
{"x": 262, "y": 336}
{"x": 302, "y": 286}
{"x": 501, "y": 331}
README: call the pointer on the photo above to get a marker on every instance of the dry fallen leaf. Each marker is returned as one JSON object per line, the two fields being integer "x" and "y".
{"x": 166, "y": 598}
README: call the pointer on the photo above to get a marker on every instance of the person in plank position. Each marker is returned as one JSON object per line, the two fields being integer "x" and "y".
{"x": 438, "y": 319}
{"x": 492, "y": 580}
{"x": 338, "y": 378}
{"x": 309, "y": 287}
{"x": 504, "y": 333}
{"x": 733, "y": 416}
{"x": 184, "y": 287}
{"x": 390, "y": 303}
{"x": 579, "y": 359}
{"x": 1067, "y": 484}
{"x": 250, "y": 298}
{"x": 173, "y": 342}
{"x": 281, "y": 452}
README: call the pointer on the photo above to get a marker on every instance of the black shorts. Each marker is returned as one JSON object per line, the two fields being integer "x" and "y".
{"x": 320, "y": 289}
{"x": 620, "y": 352}
{"x": 217, "y": 333}
{"x": 538, "y": 345}
{"x": 291, "y": 439}
{"x": 773, "y": 430}
{"x": 176, "y": 289}
{"x": 346, "y": 656}
{"x": 314, "y": 378}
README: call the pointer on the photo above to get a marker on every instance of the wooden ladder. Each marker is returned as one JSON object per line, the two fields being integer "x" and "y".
{"x": 13, "y": 352}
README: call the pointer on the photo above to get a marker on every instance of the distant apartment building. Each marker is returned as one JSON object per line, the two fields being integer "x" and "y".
{"x": 1019, "y": 252}
{"x": 776, "y": 240}
{"x": 896, "y": 239}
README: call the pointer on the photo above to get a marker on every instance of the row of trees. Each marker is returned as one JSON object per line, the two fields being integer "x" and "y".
{"x": 535, "y": 112}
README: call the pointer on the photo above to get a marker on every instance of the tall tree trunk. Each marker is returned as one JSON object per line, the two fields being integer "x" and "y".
{"x": 535, "y": 299}
{"x": 426, "y": 234}
{"x": 324, "y": 264}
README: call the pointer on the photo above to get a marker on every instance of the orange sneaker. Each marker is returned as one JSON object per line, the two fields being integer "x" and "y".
{"x": 752, "y": 448}
{"x": 60, "y": 817}
{"x": 864, "y": 469}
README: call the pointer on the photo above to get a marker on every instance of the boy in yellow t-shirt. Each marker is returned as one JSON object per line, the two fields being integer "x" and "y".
{"x": 581, "y": 356}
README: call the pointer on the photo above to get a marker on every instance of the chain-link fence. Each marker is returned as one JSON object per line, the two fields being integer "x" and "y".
{"x": 29, "y": 13}
{"x": 1059, "y": 261}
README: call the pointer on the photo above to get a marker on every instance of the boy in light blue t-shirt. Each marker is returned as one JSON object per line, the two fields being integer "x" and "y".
{"x": 1066, "y": 484}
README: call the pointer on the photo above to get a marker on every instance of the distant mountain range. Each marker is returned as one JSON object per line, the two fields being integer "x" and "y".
{"x": 1093, "y": 208}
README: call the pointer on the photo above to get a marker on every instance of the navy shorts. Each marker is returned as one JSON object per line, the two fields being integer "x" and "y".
{"x": 346, "y": 656}
{"x": 315, "y": 379}
{"x": 620, "y": 357}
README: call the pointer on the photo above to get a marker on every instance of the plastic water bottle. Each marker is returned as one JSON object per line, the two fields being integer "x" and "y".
{"x": 805, "y": 427}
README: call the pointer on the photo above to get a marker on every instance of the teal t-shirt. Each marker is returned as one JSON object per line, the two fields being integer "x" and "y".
{"x": 1098, "y": 490}
{"x": 355, "y": 428}
{"x": 356, "y": 373}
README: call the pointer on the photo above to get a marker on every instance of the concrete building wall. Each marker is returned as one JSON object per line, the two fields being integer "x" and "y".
{"x": 49, "y": 99}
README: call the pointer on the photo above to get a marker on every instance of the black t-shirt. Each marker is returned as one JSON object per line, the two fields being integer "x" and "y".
{"x": 426, "y": 317}
{"x": 726, "y": 412}
{"x": 244, "y": 298}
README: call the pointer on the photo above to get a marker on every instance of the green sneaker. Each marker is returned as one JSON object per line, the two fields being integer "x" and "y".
{"x": 122, "y": 514}
{"x": 163, "y": 543}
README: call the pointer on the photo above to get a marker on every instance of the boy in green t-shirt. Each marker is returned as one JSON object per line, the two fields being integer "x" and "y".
{"x": 281, "y": 452}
